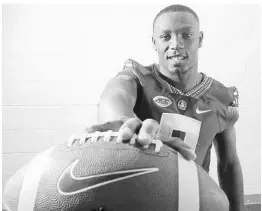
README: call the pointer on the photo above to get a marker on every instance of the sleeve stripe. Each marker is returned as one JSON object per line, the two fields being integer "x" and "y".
{"x": 233, "y": 112}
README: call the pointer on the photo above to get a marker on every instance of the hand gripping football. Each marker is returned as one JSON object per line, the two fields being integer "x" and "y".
{"x": 97, "y": 173}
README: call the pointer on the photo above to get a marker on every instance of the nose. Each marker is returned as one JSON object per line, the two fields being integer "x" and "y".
{"x": 176, "y": 42}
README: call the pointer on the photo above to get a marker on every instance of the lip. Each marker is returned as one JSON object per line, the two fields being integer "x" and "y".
{"x": 177, "y": 59}
{"x": 177, "y": 56}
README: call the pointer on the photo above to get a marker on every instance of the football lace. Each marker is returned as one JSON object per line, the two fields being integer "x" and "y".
{"x": 109, "y": 135}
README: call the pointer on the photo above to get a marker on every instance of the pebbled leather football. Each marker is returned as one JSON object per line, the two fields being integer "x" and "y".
{"x": 96, "y": 172}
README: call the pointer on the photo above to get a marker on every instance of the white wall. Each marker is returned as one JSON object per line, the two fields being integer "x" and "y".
{"x": 57, "y": 59}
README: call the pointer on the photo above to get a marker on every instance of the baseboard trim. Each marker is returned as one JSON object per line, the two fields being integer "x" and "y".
{"x": 252, "y": 199}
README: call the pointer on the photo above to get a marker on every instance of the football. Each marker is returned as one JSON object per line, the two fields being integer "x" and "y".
{"x": 96, "y": 173}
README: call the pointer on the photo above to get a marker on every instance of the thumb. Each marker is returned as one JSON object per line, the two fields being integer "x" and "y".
{"x": 177, "y": 144}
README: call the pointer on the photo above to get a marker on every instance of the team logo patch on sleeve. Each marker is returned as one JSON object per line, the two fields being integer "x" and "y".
{"x": 162, "y": 101}
{"x": 128, "y": 65}
{"x": 235, "y": 98}
{"x": 233, "y": 106}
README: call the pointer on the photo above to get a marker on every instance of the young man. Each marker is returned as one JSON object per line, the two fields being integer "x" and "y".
{"x": 139, "y": 95}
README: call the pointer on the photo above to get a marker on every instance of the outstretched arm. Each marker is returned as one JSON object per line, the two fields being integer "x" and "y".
{"x": 117, "y": 101}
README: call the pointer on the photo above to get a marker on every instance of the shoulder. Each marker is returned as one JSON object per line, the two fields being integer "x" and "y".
{"x": 129, "y": 79}
{"x": 226, "y": 98}
{"x": 136, "y": 70}
{"x": 132, "y": 65}
{"x": 227, "y": 95}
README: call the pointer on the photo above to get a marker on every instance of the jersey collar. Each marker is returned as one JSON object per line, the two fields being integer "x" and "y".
{"x": 196, "y": 92}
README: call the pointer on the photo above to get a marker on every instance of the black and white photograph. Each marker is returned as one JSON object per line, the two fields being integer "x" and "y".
{"x": 131, "y": 107}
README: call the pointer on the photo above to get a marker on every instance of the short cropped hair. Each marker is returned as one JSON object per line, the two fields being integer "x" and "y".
{"x": 175, "y": 8}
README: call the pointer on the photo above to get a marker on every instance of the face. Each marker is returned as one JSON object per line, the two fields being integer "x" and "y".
{"x": 176, "y": 39}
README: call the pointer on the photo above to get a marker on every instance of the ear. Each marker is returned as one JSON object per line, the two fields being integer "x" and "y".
{"x": 154, "y": 43}
{"x": 201, "y": 37}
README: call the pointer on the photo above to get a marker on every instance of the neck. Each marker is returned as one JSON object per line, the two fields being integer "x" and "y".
{"x": 184, "y": 82}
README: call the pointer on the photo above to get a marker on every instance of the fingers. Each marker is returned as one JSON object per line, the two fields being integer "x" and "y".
{"x": 128, "y": 129}
{"x": 147, "y": 132}
{"x": 180, "y": 146}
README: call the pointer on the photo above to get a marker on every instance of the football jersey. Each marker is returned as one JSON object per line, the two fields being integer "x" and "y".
{"x": 210, "y": 104}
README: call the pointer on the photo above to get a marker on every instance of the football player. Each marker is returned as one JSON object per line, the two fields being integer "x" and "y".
{"x": 142, "y": 98}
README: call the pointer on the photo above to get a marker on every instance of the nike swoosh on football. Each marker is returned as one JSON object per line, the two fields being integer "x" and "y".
{"x": 69, "y": 184}
{"x": 202, "y": 111}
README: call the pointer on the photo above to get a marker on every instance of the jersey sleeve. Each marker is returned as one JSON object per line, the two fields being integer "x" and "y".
{"x": 231, "y": 113}
{"x": 137, "y": 71}
{"x": 225, "y": 101}
{"x": 130, "y": 70}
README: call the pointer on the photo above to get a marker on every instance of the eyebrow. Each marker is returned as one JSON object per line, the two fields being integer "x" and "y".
{"x": 182, "y": 28}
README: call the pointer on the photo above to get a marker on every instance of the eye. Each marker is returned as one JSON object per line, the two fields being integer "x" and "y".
{"x": 187, "y": 35}
{"x": 165, "y": 37}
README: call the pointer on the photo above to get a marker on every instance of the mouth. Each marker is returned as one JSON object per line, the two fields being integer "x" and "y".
{"x": 178, "y": 57}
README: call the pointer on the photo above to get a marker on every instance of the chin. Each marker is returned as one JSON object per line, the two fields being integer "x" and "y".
{"x": 177, "y": 70}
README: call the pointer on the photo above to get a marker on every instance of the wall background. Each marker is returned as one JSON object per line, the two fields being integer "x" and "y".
{"x": 57, "y": 59}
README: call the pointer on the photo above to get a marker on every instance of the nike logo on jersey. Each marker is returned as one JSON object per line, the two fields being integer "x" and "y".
{"x": 162, "y": 101}
{"x": 69, "y": 184}
{"x": 202, "y": 111}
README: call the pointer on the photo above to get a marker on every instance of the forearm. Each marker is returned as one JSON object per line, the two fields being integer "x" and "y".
{"x": 113, "y": 107}
{"x": 231, "y": 181}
